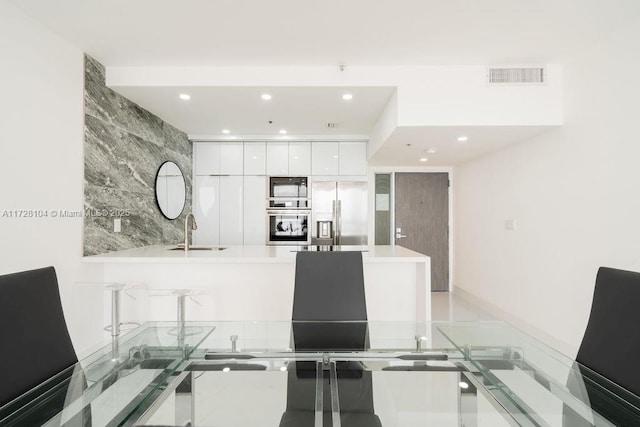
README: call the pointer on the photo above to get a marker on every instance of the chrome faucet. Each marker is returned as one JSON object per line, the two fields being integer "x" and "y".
{"x": 194, "y": 226}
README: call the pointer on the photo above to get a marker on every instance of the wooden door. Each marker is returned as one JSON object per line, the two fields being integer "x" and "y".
{"x": 422, "y": 220}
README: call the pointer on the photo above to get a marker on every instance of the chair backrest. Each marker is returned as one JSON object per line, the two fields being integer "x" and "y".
{"x": 35, "y": 340}
{"x": 329, "y": 286}
{"x": 329, "y": 289}
{"x": 611, "y": 345}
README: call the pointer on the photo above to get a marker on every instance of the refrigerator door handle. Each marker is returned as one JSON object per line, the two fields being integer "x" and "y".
{"x": 334, "y": 217}
{"x": 338, "y": 221}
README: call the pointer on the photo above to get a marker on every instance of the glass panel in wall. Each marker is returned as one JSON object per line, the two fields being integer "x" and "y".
{"x": 383, "y": 209}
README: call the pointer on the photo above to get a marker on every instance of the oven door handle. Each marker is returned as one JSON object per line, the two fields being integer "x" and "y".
{"x": 289, "y": 212}
{"x": 288, "y": 198}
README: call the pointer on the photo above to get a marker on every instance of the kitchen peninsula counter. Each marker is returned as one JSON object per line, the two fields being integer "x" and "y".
{"x": 246, "y": 254}
{"x": 256, "y": 282}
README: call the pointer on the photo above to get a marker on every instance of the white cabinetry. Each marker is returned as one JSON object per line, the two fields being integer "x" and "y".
{"x": 206, "y": 208}
{"x": 217, "y": 193}
{"x": 277, "y": 158}
{"x": 300, "y": 158}
{"x": 217, "y": 202}
{"x": 222, "y": 158}
{"x": 255, "y": 161}
{"x": 231, "y": 155}
{"x": 231, "y": 210}
{"x": 255, "y": 195}
{"x": 324, "y": 158}
{"x": 206, "y": 157}
{"x": 352, "y": 158}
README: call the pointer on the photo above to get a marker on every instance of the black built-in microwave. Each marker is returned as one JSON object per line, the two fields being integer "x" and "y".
{"x": 289, "y": 192}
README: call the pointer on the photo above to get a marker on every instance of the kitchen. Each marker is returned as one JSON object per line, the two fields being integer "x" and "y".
{"x": 255, "y": 203}
{"x": 284, "y": 185}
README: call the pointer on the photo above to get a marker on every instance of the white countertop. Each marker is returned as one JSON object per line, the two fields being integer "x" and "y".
{"x": 245, "y": 255}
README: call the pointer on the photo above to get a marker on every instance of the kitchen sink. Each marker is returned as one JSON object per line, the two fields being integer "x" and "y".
{"x": 199, "y": 248}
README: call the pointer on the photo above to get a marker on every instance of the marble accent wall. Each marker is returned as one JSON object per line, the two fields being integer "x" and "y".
{"x": 124, "y": 145}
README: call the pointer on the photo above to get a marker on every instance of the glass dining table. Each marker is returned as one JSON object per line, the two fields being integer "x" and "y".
{"x": 325, "y": 374}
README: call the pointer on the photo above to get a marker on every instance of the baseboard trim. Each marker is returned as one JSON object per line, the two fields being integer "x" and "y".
{"x": 518, "y": 322}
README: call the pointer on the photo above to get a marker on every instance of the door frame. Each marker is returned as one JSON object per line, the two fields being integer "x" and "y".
{"x": 373, "y": 170}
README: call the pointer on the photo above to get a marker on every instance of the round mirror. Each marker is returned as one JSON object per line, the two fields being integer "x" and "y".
{"x": 170, "y": 190}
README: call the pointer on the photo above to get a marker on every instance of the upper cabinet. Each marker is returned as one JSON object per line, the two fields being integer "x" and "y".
{"x": 231, "y": 158}
{"x": 324, "y": 158}
{"x": 255, "y": 158}
{"x": 206, "y": 158}
{"x": 352, "y": 158}
{"x": 300, "y": 158}
{"x": 224, "y": 158}
{"x": 277, "y": 158}
{"x": 280, "y": 158}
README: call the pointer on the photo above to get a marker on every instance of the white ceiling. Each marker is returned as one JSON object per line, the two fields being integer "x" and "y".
{"x": 298, "y": 110}
{"x": 326, "y": 33}
{"x": 407, "y": 145}
{"x": 356, "y": 32}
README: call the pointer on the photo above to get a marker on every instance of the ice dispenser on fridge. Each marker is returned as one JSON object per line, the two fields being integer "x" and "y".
{"x": 325, "y": 229}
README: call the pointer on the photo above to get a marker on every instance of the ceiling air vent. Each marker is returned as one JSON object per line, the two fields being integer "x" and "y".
{"x": 500, "y": 76}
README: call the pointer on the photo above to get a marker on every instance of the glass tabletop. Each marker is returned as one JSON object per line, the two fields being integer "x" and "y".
{"x": 326, "y": 374}
{"x": 109, "y": 386}
{"x": 534, "y": 384}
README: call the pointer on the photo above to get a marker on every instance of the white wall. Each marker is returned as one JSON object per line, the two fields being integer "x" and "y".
{"x": 384, "y": 126}
{"x": 460, "y": 96}
{"x": 574, "y": 193}
{"x": 41, "y": 117}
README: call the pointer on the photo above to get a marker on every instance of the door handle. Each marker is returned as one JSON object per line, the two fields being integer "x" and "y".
{"x": 400, "y": 236}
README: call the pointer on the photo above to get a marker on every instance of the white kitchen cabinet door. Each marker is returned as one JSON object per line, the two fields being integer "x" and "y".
{"x": 206, "y": 158}
{"x": 231, "y": 158}
{"x": 353, "y": 158}
{"x": 255, "y": 196}
{"x": 231, "y": 210}
{"x": 206, "y": 209}
{"x": 300, "y": 158}
{"x": 277, "y": 158}
{"x": 324, "y": 158}
{"x": 255, "y": 158}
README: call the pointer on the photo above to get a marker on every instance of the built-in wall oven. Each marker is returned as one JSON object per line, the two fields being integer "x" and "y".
{"x": 288, "y": 211}
{"x": 288, "y": 227}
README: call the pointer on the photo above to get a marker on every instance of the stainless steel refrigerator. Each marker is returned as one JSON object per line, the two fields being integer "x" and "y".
{"x": 339, "y": 213}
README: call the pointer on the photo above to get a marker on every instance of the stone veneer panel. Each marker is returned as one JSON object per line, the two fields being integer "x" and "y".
{"x": 124, "y": 145}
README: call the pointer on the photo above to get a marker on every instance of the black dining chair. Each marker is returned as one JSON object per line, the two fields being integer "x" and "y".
{"x": 36, "y": 349}
{"x": 607, "y": 367}
{"x": 329, "y": 314}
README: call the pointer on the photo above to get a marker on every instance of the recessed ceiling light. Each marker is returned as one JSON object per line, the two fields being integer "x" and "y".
{"x": 282, "y": 131}
{"x": 463, "y": 384}
{"x": 185, "y": 96}
{"x": 431, "y": 150}
{"x": 423, "y": 159}
{"x": 463, "y": 138}
{"x": 347, "y": 97}
{"x": 226, "y": 131}
{"x": 266, "y": 97}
